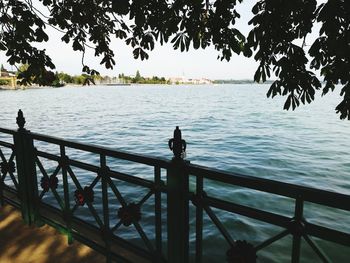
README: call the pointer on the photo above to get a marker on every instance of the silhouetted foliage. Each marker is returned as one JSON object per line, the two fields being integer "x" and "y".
{"x": 277, "y": 27}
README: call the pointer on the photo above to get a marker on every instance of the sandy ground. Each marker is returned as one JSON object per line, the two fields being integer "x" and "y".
{"x": 20, "y": 243}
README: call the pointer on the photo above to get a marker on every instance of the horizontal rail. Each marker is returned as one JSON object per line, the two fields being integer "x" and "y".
{"x": 6, "y": 144}
{"x": 328, "y": 234}
{"x": 138, "y": 158}
{"x": 95, "y": 169}
{"x": 309, "y": 194}
{"x": 7, "y": 131}
{"x": 11, "y": 196}
{"x": 257, "y": 214}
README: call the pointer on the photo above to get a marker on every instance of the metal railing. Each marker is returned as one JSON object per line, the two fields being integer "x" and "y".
{"x": 170, "y": 193}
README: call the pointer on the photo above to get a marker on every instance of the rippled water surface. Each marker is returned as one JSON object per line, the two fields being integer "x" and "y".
{"x": 230, "y": 127}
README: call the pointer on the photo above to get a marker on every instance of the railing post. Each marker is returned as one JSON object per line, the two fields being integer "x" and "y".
{"x": 26, "y": 170}
{"x": 297, "y": 229}
{"x": 177, "y": 203}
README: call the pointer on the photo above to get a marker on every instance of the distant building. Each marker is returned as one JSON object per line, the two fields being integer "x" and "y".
{"x": 178, "y": 80}
{"x": 5, "y": 73}
{"x": 183, "y": 80}
{"x": 200, "y": 81}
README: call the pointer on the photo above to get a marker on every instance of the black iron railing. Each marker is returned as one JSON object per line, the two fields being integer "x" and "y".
{"x": 170, "y": 194}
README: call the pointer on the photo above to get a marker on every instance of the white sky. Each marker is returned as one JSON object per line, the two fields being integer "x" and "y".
{"x": 163, "y": 60}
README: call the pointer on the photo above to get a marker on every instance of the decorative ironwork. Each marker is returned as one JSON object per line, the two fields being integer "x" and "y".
{"x": 241, "y": 252}
{"x": 296, "y": 227}
{"x": 84, "y": 196}
{"x": 64, "y": 161}
{"x": 177, "y": 144}
{"x": 47, "y": 183}
{"x": 7, "y": 167}
{"x": 129, "y": 213}
{"x": 197, "y": 199}
{"x": 20, "y": 120}
{"x": 158, "y": 186}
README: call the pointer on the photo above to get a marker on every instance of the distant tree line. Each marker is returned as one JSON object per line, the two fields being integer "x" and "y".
{"x": 142, "y": 80}
{"x": 5, "y": 82}
{"x": 64, "y": 78}
{"x": 60, "y": 79}
{"x": 83, "y": 79}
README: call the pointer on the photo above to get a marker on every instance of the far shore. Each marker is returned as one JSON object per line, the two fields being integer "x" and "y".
{"x": 121, "y": 85}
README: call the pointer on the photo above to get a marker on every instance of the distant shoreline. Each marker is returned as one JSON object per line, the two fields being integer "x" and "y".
{"x": 3, "y": 88}
{"x": 243, "y": 81}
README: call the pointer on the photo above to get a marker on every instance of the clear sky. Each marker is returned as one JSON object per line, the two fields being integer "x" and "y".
{"x": 163, "y": 60}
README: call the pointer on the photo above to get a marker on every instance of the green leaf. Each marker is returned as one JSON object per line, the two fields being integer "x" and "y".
{"x": 287, "y": 103}
{"x": 257, "y": 75}
{"x": 77, "y": 45}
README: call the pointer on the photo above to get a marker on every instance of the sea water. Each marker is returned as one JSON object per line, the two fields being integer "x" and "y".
{"x": 234, "y": 128}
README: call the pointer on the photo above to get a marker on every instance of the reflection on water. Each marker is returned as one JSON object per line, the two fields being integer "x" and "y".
{"x": 233, "y": 128}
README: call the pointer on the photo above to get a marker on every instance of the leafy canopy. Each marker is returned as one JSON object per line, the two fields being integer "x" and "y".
{"x": 278, "y": 27}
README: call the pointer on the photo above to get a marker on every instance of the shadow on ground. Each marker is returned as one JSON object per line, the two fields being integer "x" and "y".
{"x": 25, "y": 244}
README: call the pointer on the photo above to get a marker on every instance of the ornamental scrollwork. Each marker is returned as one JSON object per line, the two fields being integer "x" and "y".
{"x": 129, "y": 213}
{"x": 83, "y": 196}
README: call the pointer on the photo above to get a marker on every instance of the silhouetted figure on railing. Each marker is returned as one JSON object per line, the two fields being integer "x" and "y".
{"x": 177, "y": 144}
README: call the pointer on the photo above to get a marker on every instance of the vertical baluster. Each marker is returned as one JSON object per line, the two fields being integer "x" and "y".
{"x": 199, "y": 218}
{"x": 158, "y": 213}
{"x": 67, "y": 210}
{"x": 105, "y": 207}
{"x": 298, "y": 215}
{"x": 1, "y": 192}
{"x": 2, "y": 178}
